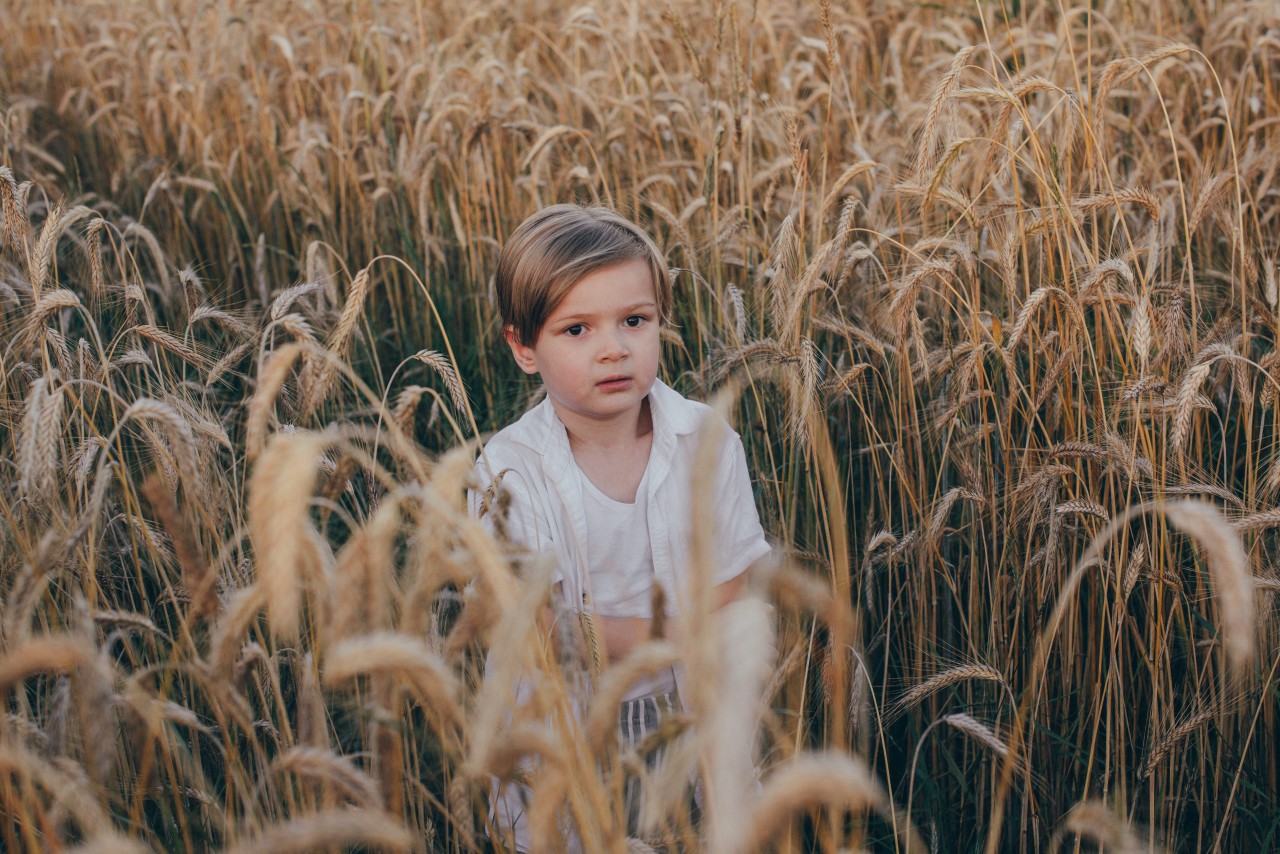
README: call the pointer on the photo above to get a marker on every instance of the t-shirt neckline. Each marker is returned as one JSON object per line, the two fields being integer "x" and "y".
{"x": 590, "y": 487}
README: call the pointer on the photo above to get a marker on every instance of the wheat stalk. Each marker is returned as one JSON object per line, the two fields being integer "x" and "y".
{"x": 1027, "y": 312}
{"x": 270, "y": 381}
{"x": 227, "y": 638}
{"x": 47, "y": 305}
{"x": 148, "y": 237}
{"x": 1210, "y": 195}
{"x": 43, "y": 254}
{"x": 1204, "y": 489}
{"x": 198, "y": 579}
{"x": 1134, "y": 195}
{"x": 363, "y": 575}
{"x": 226, "y": 362}
{"x": 1120, "y": 70}
{"x": 1114, "y": 269}
{"x": 67, "y": 790}
{"x": 166, "y": 341}
{"x": 1083, "y": 507}
{"x": 745, "y": 637}
{"x": 942, "y": 509}
{"x": 131, "y": 619}
{"x": 226, "y": 319}
{"x": 1137, "y": 563}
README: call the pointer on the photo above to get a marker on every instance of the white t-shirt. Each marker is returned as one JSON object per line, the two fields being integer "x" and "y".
{"x": 620, "y": 565}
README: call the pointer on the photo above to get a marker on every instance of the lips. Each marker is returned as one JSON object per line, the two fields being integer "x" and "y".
{"x": 618, "y": 383}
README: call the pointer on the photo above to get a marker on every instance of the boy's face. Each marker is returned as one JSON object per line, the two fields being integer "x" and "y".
{"x": 598, "y": 350}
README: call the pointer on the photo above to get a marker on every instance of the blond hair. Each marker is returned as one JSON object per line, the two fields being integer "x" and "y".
{"x": 554, "y": 249}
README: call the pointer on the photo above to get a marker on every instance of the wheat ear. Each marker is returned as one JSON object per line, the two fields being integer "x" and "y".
{"x": 361, "y": 828}
{"x": 48, "y": 654}
{"x": 280, "y": 489}
{"x": 1229, "y": 568}
{"x": 827, "y": 779}
{"x": 939, "y": 681}
{"x": 1094, "y": 820}
{"x": 978, "y": 731}
{"x": 1188, "y": 393}
{"x": 325, "y": 765}
{"x": 270, "y": 381}
{"x": 39, "y": 442}
{"x": 338, "y": 341}
{"x": 929, "y": 138}
{"x": 1173, "y": 735}
{"x": 362, "y": 578}
{"x": 442, "y": 366}
{"x": 431, "y": 679}
{"x": 16, "y": 226}
{"x": 602, "y": 716}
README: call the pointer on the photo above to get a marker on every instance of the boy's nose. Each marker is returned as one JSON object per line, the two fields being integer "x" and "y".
{"x": 613, "y": 348}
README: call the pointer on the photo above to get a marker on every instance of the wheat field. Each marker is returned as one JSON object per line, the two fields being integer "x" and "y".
{"x": 988, "y": 289}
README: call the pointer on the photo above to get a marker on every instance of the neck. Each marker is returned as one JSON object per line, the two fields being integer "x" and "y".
{"x": 618, "y": 432}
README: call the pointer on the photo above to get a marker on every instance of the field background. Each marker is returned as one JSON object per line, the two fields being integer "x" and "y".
{"x": 993, "y": 287}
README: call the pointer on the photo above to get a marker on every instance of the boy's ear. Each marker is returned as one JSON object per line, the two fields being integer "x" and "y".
{"x": 523, "y": 354}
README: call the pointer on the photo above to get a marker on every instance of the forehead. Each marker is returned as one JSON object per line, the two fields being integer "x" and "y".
{"x": 620, "y": 285}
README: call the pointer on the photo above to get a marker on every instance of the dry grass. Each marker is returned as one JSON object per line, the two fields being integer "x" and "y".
{"x": 996, "y": 287}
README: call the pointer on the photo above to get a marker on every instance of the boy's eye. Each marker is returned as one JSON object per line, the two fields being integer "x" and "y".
{"x": 635, "y": 320}
{"x": 575, "y": 330}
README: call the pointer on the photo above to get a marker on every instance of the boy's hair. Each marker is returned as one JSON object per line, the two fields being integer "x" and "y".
{"x": 556, "y": 248}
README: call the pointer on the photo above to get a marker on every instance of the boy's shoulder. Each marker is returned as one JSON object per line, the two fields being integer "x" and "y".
{"x": 530, "y": 432}
{"x": 681, "y": 414}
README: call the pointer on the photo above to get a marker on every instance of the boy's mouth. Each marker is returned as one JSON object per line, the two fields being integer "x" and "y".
{"x": 619, "y": 383}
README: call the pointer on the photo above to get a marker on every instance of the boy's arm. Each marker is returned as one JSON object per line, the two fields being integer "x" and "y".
{"x": 622, "y": 634}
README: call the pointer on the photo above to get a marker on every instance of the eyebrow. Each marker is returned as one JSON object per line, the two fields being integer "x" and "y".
{"x": 567, "y": 317}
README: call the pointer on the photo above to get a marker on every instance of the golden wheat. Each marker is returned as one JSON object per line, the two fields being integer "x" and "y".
{"x": 1043, "y": 295}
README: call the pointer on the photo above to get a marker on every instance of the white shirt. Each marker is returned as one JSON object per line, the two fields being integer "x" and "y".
{"x": 547, "y": 509}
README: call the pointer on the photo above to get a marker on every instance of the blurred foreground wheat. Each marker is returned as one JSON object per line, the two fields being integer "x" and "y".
{"x": 997, "y": 284}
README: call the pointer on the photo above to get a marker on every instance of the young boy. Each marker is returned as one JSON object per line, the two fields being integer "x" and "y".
{"x": 598, "y": 473}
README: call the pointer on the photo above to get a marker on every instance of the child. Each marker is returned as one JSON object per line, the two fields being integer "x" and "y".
{"x": 598, "y": 473}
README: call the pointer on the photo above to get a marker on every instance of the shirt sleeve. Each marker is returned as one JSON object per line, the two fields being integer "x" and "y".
{"x": 739, "y": 536}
